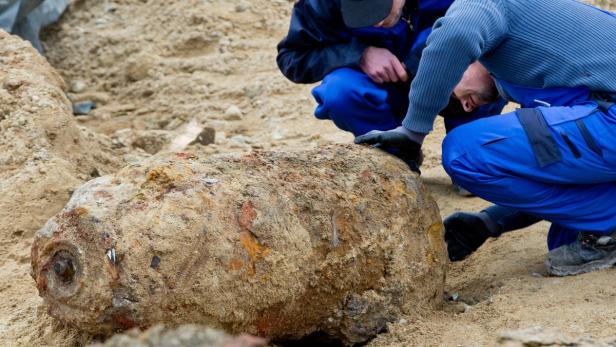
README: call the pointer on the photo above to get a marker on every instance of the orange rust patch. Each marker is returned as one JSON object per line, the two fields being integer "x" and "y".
{"x": 292, "y": 177}
{"x": 268, "y": 322}
{"x": 254, "y": 250}
{"x": 124, "y": 321}
{"x": 236, "y": 264}
{"x": 435, "y": 240}
{"x": 247, "y": 215}
{"x": 161, "y": 177}
{"x": 366, "y": 175}
{"x": 185, "y": 156}
{"x": 78, "y": 212}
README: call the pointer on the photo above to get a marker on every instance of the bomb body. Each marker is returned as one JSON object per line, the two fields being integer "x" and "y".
{"x": 338, "y": 240}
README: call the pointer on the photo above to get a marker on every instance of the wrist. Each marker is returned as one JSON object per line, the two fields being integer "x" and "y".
{"x": 413, "y": 135}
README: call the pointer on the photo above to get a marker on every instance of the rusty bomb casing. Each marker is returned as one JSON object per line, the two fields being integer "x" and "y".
{"x": 339, "y": 240}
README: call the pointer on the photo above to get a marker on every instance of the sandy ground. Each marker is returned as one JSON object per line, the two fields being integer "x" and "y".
{"x": 155, "y": 66}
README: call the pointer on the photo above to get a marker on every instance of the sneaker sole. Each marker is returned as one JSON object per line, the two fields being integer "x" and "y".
{"x": 561, "y": 271}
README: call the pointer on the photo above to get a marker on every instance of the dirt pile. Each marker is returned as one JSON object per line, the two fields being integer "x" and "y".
{"x": 44, "y": 156}
{"x": 339, "y": 240}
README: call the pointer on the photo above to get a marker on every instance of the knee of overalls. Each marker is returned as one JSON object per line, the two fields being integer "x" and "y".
{"x": 455, "y": 145}
{"x": 355, "y": 103}
{"x": 467, "y": 153}
{"x": 347, "y": 91}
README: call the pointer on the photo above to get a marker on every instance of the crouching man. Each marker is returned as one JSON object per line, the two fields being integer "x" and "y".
{"x": 555, "y": 158}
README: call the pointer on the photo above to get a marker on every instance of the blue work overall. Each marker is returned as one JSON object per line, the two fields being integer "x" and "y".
{"x": 554, "y": 159}
{"x": 356, "y": 104}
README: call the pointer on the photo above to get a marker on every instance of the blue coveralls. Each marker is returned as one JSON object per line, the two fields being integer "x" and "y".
{"x": 356, "y": 104}
{"x": 555, "y": 159}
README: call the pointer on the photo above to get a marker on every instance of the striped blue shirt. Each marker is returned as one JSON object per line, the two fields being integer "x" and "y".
{"x": 533, "y": 43}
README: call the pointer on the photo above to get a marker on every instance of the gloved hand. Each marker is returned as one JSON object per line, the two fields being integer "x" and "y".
{"x": 404, "y": 144}
{"x": 464, "y": 234}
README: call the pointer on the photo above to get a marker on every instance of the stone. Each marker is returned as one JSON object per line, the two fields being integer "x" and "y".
{"x": 83, "y": 108}
{"x": 233, "y": 113}
{"x": 139, "y": 67}
{"x": 538, "y": 336}
{"x": 152, "y": 141}
{"x": 243, "y": 6}
{"x": 338, "y": 240}
{"x": 78, "y": 86}
{"x": 206, "y": 137}
{"x": 184, "y": 336}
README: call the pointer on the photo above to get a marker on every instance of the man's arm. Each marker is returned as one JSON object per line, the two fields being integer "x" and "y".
{"x": 317, "y": 42}
{"x": 470, "y": 29}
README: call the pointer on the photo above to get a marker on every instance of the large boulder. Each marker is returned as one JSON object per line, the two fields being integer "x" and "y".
{"x": 339, "y": 241}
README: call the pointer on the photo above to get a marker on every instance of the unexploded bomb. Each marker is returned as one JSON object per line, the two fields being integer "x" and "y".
{"x": 338, "y": 240}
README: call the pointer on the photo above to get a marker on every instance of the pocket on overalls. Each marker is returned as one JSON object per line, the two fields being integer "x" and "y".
{"x": 539, "y": 123}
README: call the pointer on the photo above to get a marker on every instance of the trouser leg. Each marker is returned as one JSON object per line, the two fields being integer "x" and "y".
{"x": 509, "y": 219}
{"x": 493, "y": 158}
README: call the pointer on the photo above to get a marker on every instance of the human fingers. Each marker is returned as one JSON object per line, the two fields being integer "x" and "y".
{"x": 371, "y": 138}
{"x": 400, "y": 70}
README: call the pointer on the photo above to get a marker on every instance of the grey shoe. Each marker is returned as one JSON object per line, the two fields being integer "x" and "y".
{"x": 588, "y": 253}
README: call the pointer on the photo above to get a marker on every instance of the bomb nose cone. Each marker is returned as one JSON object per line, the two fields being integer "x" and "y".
{"x": 64, "y": 269}
{"x": 59, "y": 275}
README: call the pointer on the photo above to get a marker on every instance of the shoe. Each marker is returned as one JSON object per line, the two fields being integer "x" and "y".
{"x": 588, "y": 253}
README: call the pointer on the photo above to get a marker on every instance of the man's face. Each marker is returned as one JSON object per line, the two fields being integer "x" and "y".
{"x": 394, "y": 15}
{"x": 476, "y": 88}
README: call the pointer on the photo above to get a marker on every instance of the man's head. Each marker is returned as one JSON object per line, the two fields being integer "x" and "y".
{"x": 365, "y": 13}
{"x": 476, "y": 88}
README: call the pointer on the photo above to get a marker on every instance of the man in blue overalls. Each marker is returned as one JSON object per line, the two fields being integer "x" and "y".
{"x": 554, "y": 159}
{"x": 366, "y": 57}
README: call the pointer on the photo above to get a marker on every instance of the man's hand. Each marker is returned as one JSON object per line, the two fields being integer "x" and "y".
{"x": 400, "y": 142}
{"x": 382, "y": 66}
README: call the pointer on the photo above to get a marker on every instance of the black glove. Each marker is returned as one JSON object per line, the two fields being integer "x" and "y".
{"x": 399, "y": 142}
{"x": 464, "y": 234}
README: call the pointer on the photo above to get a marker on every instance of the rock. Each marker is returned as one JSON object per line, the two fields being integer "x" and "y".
{"x": 184, "y": 336}
{"x": 139, "y": 66}
{"x": 12, "y": 84}
{"x": 538, "y": 336}
{"x": 83, "y": 108}
{"x": 206, "y": 137}
{"x": 233, "y": 113}
{"x": 242, "y": 7}
{"x": 78, "y": 86}
{"x": 152, "y": 141}
{"x": 339, "y": 240}
{"x": 188, "y": 134}
{"x": 240, "y": 139}
{"x": 253, "y": 91}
